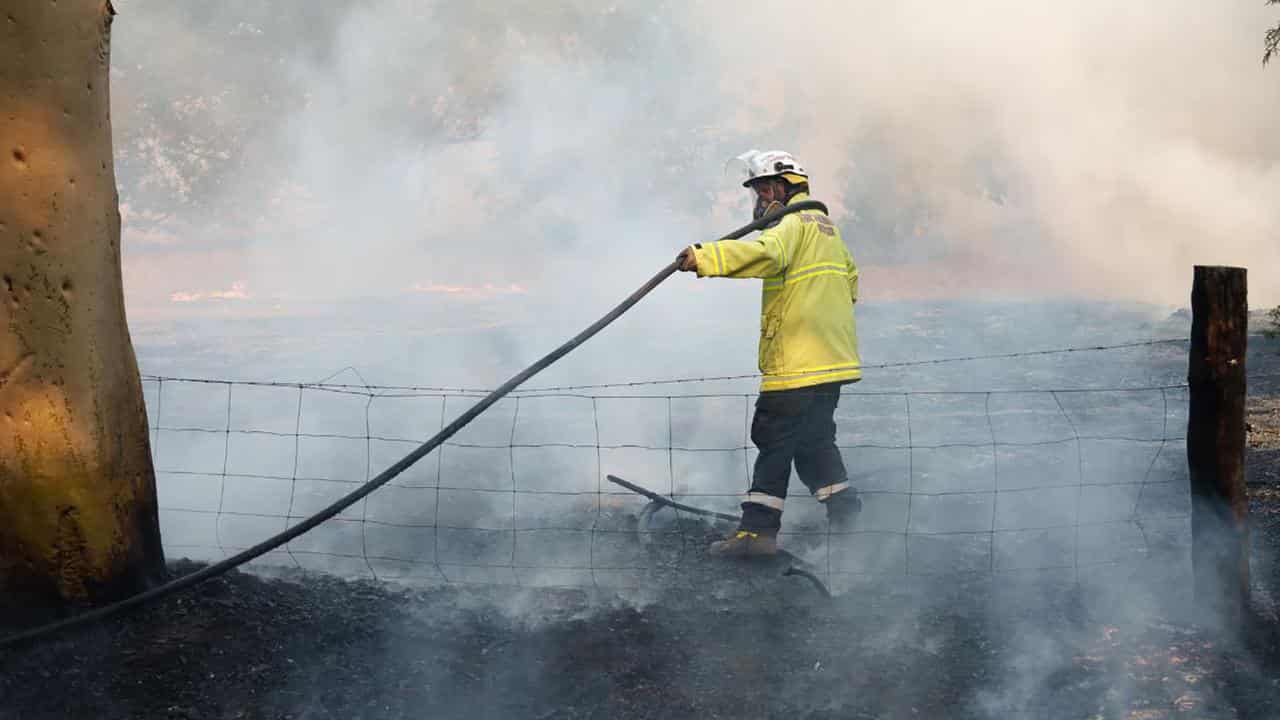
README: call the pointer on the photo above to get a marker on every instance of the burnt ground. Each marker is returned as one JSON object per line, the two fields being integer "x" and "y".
{"x": 246, "y": 646}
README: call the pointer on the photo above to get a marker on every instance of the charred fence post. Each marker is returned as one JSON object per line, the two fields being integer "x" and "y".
{"x": 1216, "y": 442}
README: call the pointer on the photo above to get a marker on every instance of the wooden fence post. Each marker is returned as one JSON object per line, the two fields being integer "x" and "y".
{"x": 1216, "y": 442}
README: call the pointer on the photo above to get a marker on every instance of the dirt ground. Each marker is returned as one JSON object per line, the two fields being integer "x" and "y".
{"x": 244, "y": 646}
{"x": 1263, "y": 418}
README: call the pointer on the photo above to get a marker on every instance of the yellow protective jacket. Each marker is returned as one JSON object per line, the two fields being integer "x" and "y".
{"x": 807, "y": 329}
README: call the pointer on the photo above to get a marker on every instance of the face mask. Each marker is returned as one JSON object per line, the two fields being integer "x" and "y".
{"x": 764, "y": 207}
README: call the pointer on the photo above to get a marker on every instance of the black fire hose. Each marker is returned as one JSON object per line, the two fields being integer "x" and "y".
{"x": 390, "y": 473}
{"x": 663, "y": 500}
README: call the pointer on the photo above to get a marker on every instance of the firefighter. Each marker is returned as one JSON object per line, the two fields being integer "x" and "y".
{"x": 808, "y": 350}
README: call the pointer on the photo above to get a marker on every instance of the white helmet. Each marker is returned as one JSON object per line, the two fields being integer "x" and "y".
{"x": 771, "y": 163}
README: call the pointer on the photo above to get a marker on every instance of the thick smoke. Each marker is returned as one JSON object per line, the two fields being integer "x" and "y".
{"x": 1077, "y": 146}
{"x": 987, "y": 149}
{"x": 473, "y": 184}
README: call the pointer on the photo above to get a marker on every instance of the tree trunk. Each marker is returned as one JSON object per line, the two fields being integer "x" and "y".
{"x": 1216, "y": 442}
{"x": 78, "y": 516}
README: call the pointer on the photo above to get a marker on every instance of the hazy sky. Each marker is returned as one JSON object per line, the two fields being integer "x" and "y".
{"x": 557, "y": 153}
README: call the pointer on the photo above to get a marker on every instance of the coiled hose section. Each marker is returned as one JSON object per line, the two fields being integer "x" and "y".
{"x": 346, "y": 501}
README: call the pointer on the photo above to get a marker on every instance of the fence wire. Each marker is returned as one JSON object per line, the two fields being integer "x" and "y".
{"x": 975, "y": 481}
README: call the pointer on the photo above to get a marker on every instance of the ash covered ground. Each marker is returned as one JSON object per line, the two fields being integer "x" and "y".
{"x": 247, "y": 647}
{"x": 711, "y": 640}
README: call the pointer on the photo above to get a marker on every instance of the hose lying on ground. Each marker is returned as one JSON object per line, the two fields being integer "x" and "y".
{"x": 390, "y": 473}
{"x": 668, "y": 501}
{"x": 793, "y": 570}
{"x": 659, "y": 501}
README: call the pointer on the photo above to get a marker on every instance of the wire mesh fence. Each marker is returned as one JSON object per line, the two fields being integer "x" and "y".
{"x": 989, "y": 482}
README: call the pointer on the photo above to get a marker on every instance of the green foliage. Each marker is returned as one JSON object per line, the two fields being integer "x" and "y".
{"x": 1274, "y": 316}
{"x": 1272, "y": 39}
{"x": 1272, "y": 50}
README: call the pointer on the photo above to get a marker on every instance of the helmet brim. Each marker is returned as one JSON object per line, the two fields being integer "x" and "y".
{"x": 794, "y": 178}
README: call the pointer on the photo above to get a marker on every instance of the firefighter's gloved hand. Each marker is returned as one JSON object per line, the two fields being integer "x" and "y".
{"x": 688, "y": 262}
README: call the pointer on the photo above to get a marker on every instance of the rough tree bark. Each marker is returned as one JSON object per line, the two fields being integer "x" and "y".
{"x": 78, "y": 516}
{"x": 1216, "y": 441}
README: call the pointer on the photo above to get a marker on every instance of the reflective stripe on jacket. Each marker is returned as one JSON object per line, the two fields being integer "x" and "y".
{"x": 807, "y": 328}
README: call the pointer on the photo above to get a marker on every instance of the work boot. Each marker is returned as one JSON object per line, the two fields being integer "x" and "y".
{"x": 746, "y": 544}
{"x": 842, "y": 511}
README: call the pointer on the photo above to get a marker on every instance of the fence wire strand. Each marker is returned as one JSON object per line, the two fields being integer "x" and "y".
{"x": 554, "y": 512}
{"x": 363, "y": 387}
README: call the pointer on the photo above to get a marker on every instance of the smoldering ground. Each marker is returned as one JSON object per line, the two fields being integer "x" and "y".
{"x": 240, "y": 646}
